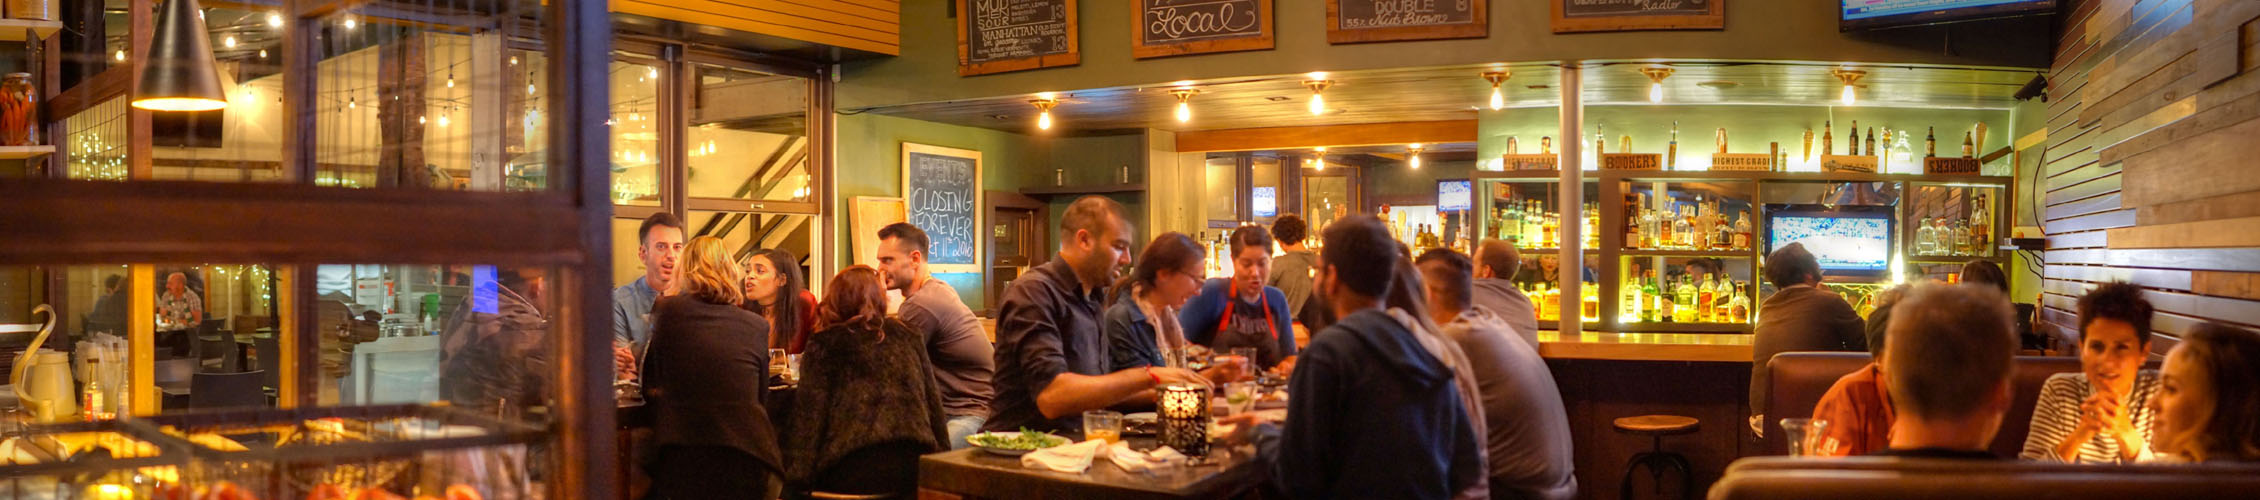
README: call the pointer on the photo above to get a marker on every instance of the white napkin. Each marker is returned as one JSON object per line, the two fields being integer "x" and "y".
{"x": 1142, "y": 461}
{"x": 1073, "y": 459}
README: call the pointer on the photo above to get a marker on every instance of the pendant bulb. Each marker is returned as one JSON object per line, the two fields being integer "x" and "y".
{"x": 1317, "y": 104}
{"x": 1847, "y": 97}
{"x": 1184, "y": 112}
{"x": 1656, "y": 93}
{"x": 1044, "y": 120}
{"x": 1498, "y": 99}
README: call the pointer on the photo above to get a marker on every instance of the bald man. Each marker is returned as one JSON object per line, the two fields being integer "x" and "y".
{"x": 1495, "y": 264}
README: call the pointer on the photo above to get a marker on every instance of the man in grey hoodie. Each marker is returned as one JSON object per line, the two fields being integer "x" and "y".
{"x": 1494, "y": 289}
{"x": 1528, "y": 428}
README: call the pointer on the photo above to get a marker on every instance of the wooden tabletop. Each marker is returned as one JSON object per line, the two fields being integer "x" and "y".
{"x": 1717, "y": 347}
{"x": 974, "y": 474}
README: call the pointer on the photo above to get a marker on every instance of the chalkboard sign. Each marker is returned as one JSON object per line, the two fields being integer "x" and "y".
{"x": 942, "y": 195}
{"x": 996, "y": 36}
{"x": 1180, "y": 27}
{"x": 1629, "y": 15}
{"x": 1358, "y": 21}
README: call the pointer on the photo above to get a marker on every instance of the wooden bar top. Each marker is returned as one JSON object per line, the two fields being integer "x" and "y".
{"x": 1715, "y": 347}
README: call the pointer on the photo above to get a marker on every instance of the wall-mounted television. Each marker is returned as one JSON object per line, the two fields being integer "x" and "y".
{"x": 1851, "y": 241}
{"x": 1871, "y": 14}
{"x": 1454, "y": 195}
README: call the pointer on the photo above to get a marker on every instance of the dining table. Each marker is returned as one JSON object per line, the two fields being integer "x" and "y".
{"x": 976, "y": 474}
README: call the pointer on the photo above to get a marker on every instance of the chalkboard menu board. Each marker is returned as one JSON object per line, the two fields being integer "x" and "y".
{"x": 1629, "y": 15}
{"x": 941, "y": 190}
{"x": 1179, "y": 27}
{"x": 996, "y": 36}
{"x": 1358, "y": 21}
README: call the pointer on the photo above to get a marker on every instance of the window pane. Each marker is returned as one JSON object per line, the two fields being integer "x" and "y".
{"x": 748, "y": 136}
{"x": 474, "y": 336}
{"x": 399, "y": 104}
{"x": 635, "y": 133}
{"x": 1223, "y": 179}
{"x": 1265, "y": 195}
{"x": 243, "y": 142}
{"x": 95, "y": 142}
{"x": 745, "y": 233}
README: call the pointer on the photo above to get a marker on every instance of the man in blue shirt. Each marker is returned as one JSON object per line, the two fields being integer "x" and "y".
{"x": 1240, "y": 311}
{"x": 659, "y": 244}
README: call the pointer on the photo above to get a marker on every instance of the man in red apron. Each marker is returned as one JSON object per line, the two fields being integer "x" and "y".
{"x": 1240, "y": 311}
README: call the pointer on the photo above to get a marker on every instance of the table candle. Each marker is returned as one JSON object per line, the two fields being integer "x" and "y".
{"x": 1184, "y": 418}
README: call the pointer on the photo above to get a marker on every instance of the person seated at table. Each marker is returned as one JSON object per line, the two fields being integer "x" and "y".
{"x": 868, "y": 404}
{"x": 964, "y": 361}
{"x": 1494, "y": 289}
{"x": 1800, "y": 316}
{"x": 771, "y": 273}
{"x": 1525, "y": 423}
{"x": 659, "y": 243}
{"x": 1051, "y": 355}
{"x": 1240, "y": 311}
{"x": 1408, "y": 304}
{"x": 1947, "y": 363}
{"x": 2208, "y": 408}
{"x": 706, "y": 372}
{"x": 1141, "y": 326}
{"x": 1375, "y": 414}
{"x": 178, "y": 308}
{"x": 2098, "y": 415}
{"x": 1858, "y": 406}
{"x": 1291, "y": 271}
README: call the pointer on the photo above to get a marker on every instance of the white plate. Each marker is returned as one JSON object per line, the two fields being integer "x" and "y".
{"x": 1056, "y": 441}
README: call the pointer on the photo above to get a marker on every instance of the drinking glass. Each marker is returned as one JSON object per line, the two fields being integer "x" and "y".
{"x": 1800, "y": 433}
{"x": 1174, "y": 357}
{"x": 1239, "y": 397}
{"x": 1102, "y": 424}
{"x": 1247, "y": 357}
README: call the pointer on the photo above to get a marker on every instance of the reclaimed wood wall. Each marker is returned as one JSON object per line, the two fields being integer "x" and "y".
{"x": 2153, "y": 125}
{"x": 869, "y": 25}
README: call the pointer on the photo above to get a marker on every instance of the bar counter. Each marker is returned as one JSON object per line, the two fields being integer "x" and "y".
{"x": 1720, "y": 347}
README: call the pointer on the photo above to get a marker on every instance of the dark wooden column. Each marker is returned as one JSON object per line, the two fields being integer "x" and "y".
{"x": 401, "y": 77}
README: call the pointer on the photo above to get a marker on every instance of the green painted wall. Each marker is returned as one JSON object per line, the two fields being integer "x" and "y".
{"x": 1799, "y": 30}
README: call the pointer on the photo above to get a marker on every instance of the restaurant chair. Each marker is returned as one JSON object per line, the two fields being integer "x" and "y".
{"x": 1797, "y": 380}
{"x": 269, "y": 351}
{"x": 227, "y": 390}
{"x": 1855, "y": 478}
{"x": 1656, "y": 459}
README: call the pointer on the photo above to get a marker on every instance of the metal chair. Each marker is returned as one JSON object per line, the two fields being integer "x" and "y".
{"x": 1656, "y": 460}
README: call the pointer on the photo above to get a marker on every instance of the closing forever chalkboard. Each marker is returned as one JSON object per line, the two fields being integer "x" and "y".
{"x": 1356, "y": 21}
{"x": 1626, "y": 15}
{"x": 942, "y": 195}
{"x": 995, "y": 36}
{"x": 1179, "y": 27}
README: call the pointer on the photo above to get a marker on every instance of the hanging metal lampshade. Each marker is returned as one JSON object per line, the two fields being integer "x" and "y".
{"x": 180, "y": 74}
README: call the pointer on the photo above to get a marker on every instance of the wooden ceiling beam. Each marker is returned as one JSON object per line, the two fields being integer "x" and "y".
{"x": 1365, "y": 134}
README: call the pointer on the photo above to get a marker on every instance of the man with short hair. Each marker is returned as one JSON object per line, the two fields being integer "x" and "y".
{"x": 1800, "y": 316}
{"x": 1375, "y": 414}
{"x": 1291, "y": 271}
{"x": 1496, "y": 263}
{"x": 659, "y": 244}
{"x": 1051, "y": 356}
{"x": 1529, "y": 438}
{"x": 962, "y": 357}
{"x": 1947, "y": 368}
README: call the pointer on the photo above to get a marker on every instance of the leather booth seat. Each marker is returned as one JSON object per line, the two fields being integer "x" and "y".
{"x": 1797, "y": 380}
{"x": 1855, "y": 478}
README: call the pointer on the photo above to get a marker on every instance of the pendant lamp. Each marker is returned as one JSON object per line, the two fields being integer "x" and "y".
{"x": 180, "y": 74}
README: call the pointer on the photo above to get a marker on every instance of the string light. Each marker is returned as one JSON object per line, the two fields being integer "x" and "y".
{"x": 1497, "y": 78}
{"x": 1656, "y": 76}
{"x": 1317, "y": 85}
{"x": 1184, "y": 103}
{"x": 1850, "y": 77}
{"x": 1044, "y": 103}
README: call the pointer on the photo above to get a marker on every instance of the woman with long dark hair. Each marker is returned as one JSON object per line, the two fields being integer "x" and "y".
{"x": 1142, "y": 323}
{"x": 868, "y": 404}
{"x": 705, "y": 373}
{"x": 772, "y": 274}
{"x": 2208, "y": 407}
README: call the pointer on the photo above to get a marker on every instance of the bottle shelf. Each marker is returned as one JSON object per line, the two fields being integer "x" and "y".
{"x": 1947, "y": 259}
{"x": 1673, "y": 327}
{"x": 1725, "y": 254}
{"x": 18, "y": 30}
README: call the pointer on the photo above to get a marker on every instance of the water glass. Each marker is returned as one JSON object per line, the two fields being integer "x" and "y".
{"x": 1239, "y": 397}
{"x": 1102, "y": 424}
{"x": 1800, "y": 433}
{"x": 1247, "y": 357}
{"x": 1174, "y": 357}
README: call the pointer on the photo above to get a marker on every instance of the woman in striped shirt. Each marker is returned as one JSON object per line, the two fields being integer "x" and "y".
{"x": 2099, "y": 415}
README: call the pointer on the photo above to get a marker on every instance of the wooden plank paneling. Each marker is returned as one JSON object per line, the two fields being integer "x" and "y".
{"x": 2171, "y": 279}
{"x": 2226, "y": 284}
{"x": 873, "y": 26}
{"x": 2244, "y": 232}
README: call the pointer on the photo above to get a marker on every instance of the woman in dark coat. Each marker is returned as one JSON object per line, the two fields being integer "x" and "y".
{"x": 705, "y": 374}
{"x": 867, "y": 405}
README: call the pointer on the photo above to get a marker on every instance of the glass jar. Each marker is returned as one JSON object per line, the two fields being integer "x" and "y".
{"x": 18, "y": 113}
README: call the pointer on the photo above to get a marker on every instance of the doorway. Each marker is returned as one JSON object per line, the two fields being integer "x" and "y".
{"x": 1018, "y": 227}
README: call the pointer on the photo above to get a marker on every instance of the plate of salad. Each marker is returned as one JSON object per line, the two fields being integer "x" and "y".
{"x": 1013, "y": 444}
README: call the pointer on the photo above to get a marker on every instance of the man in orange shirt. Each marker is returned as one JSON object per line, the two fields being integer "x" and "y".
{"x": 1858, "y": 408}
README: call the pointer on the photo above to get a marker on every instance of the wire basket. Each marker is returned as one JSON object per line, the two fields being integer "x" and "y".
{"x": 88, "y": 460}
{"x": 404, "y": 451}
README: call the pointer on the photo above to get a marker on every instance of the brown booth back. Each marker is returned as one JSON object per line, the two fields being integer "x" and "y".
{"x": 1798, "y": 379}
{"x": 1854, "y": 478}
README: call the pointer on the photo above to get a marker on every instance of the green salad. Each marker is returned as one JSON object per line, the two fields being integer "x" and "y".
{"x": 1025, "y": 440}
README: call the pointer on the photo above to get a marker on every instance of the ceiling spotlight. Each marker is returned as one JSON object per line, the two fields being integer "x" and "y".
{"x": 121, "y": 55}
{"x": 350, "y": 23}
{"x": 1497, "y": 78}
{"x": 274, "y": 19}
{"x": 1413, "y": 153}
{"x": 1044, "y": 106}
{"x": 1851, "y": 78}
{"x": 229, "y": 41}
{"x": 1184, "y": 103}
{"x": 1318, "y": 93}
{"x": 1656, "y": 76}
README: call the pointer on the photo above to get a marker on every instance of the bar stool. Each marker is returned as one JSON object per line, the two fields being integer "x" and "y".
{"x": 1656, "y": 459}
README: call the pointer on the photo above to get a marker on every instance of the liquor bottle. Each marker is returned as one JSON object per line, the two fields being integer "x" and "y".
{"x": 1534, "y": 226}
{"x": 1632, "y": 223}
{"x": 1629, "y": 300}
{"x": 1870, "y": 151}
{"x": 1600, "y": 141}
{"x": 1666, "y": 308}
{"x": 1704, "y": 298}
{"x": 1981, "y": 225}
{"x": 1807, "y": 154}
{"x": 1683, "y": 228}
{"x": 1968, "y": 148}
{"x": 1592, "y": 233}
{"x": 1624, "y": 143}
{"x": 1965, "y": 243}
{"x": 1926, "y": 238}
{"x": 1685, "y": 308}
{"x": 1827, "y": 146}
{"x": 1721, "y": 140}
{"x": 1722, "y": 233}
{"x": 1903, "y": 154}
{"x": 1930, "y": 142}
{"x": 1671, "y": 153}
{"x": 1664, "y": 238}
{"x": 1647, "y": 220}
{"x": 1546, "y": 145}
{"x": 1742, "y": 232}
{"x": 1722, "y": 296}
{"x": 1855, "y": 138}
{"x": 1589, "y": 301}
{"x": 1738, "y": 308}
{"x": 1655, "y": 307}
{"x": 1550, "y": 232}
{"x": 1512, "y": 147}
{"x": 1553, "y": 304}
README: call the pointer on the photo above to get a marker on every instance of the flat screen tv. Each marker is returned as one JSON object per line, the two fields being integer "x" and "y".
{"x": 1871, "y": 14}
{"x": 1455, "y": 195}
{"x": 1847, "y": 240}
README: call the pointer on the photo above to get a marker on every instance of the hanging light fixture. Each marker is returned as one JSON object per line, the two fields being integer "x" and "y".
{"x": 1044, "y": 104}
{"x": 1184, "y": 103}
{"x": 179, "y": 75}
{"x": 1317, "y": 85}
{"x": 1851, "y": 78}
{"x": 1413, "y": 154}
{"x": 1656, "y": 76}
{"x": 1497, "y": 78}
{"x": 1321, "y": 157}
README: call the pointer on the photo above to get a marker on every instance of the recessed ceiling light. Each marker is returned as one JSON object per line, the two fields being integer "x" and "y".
{"x": 1277, "y": 99}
